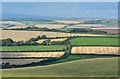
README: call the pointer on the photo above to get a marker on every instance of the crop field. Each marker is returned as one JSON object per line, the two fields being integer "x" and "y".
{"x": 26, "y": 35}
{"x": 95, "y": 50}
{"x": 94, "y": 41}
{"x": 86, "y": 25}
{"x": 50, "y": 26}
{"x": 32, "y": 48}
{"x": 32, "y": 54}
{"x": 68, "y": 21}
{"x": 52, "y": 40}
{"x": 96, "y": 67}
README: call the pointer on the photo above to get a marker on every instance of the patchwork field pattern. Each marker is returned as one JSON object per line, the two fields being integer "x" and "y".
{"x": 26, "y": 35}
{"x": 95, "y": 50}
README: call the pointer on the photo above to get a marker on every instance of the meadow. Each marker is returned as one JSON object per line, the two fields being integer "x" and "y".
{"x": 94, "y": 41}
{"x": 33, "y": 48}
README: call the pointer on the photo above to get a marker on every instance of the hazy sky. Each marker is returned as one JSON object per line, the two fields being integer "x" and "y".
{"x": 63, "y": 9}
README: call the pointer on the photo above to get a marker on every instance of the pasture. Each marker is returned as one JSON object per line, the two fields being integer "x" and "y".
{"x": 96, "y": 67}
{"x": 33, "y": 48}
{"x": 94, "y": 41}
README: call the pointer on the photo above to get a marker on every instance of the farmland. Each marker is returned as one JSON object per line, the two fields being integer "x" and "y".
{"x": 53, "y": 40}
{"x": 68, "y": 21}
{"x": 32, "y": 54}
{"x": 97, "y": 67}
{"x": 17, "y": 35}
{"x": 32, "y": 48}
{"x": 94, "y": 41}
{"x": 50, "y": 26}
{"x": 95, "y": 50}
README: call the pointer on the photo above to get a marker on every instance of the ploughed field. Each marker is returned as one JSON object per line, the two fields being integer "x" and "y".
{"x": 94, "y": 41}
{"x": 18, "y": 35}
{"x": 95, "y": 50}
{"x": 41, "y": 48}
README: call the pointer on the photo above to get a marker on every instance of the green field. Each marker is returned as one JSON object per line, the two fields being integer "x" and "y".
{"x": 96, "y": 67}
{"x": 94, "y": 41}
{"x": 81, "y": 57}
{"x": 33, "y": 48}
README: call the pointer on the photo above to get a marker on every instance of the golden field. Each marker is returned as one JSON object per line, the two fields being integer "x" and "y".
{"x": 95, "y": 50}
{"x": 52, "y": 40}
{"x": 17, "y": 35}
{"x": 68, "y": 21}
{"x": 32, "y": 54}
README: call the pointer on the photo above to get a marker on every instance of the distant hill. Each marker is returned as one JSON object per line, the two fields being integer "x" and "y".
{"x": 9, "y": 16}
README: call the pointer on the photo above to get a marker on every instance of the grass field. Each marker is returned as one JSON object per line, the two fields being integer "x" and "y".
{"x": 87, "y": 41}
{"x": 32, "y": 48}
{"x": 96, "y": 67}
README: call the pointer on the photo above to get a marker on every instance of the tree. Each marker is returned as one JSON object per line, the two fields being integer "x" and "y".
{"x": 48, "y": 41}
{"x": 44, "y": 36}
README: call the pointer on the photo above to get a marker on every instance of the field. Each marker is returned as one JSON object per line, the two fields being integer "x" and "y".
{"x": 53, "y": 40}
{"x": 50, "y": 26}
{"x": 95, "y": 50}
{"x": 94, "y": 41}
{"x": 32, "y": 54}
{"x": 110, "y": 31}
{"x": 86, "y": 26}
{"x": 96, "y": 67}
{"x": 32, "y": 48}
{"x": 26, "y": 35}
{"x": 68, "y": 21}
{"x": 20, "y": 61}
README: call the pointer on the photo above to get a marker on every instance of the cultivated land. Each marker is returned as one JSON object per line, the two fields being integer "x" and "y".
{"x": 94, "y": 41}
{"x": 68, "y": 21}
{"x": 17, "y": 35}
{"x": 50, "y": 26}
{"x": 33, "y": 48}
{"x": 95, "y": 50}
{"x": 32, "y": 54}
{"x": 97, "y": 67}
{"x": 52, "y": 40}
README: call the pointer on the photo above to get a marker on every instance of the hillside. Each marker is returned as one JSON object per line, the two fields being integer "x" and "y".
{"x": 97, "y": 67}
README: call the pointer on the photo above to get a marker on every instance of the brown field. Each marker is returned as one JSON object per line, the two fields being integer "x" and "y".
{"x": 26, "y": 35}
{"x": 50, "y": 26}
{"x": 32, "y": 54}
{"x": 52, "y": 40}
{"x": 95, "y": 50}
{"x": 68, "y": 21}
{"x": 110, "y": 31}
